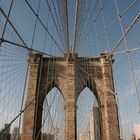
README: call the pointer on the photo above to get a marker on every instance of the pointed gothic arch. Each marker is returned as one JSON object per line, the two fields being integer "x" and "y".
{"x": 87, "y": 110}
{"x": 99, "y": 82}
{"x": 53, "y": 114}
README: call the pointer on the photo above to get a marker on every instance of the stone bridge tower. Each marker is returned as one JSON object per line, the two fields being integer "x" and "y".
{"x": 95, "y": 73}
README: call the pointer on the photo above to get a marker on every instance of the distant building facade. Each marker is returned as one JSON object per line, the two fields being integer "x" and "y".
{"x": 85, "y": 136}
{"x": 6, "y": 134}
{"x": 94, "y": 124}
{"x": 47, "y": 136}
{"x": 137, "y": 131}
{"x": 15, "y": 134}
{"x": 133, "y": 137}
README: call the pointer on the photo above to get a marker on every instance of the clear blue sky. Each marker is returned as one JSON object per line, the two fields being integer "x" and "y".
{"x": 93, "y": 41}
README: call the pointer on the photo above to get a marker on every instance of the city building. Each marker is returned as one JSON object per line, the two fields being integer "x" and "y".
{"x": 56, "y": 132}
{"x": 94, "y": 124}
{"x": 133, "y": 137}
{"x": 47, "y": 136}
{"x": 85, "y": 136}
{"x": 15, "y": 134}
{"x": 7, "y": 131}
{"x": 137, "y": 131}
{"x": 6, "y": 134}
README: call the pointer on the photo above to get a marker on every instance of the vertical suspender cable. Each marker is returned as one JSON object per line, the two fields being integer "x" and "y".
{"x": 127, "y": 53}
{"x": 66, "y": 26}
{"x": 7, "y": 19}
{"x": 75, "y": 25}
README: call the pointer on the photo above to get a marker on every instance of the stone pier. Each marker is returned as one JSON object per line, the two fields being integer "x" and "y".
{"x": 70, "y": 74}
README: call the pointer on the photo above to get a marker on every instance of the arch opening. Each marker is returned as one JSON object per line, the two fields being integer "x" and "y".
{"x": 52, "y": 125}
{"x": 88, "y": 116}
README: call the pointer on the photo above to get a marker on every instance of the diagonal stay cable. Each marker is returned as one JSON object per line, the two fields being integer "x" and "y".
{"x": 75, "y": 25}
{"x": 22, "y": 111}
{"x": 127, "y": 53}
{"x": 22, "y": 46}
{"x": 67, "y": 28}
{"x": 51, "y": 36}
{"x": 7, "y": 18}
{"x": 4, "y": 14}
{"x": 58, "y": 21}
{"x": 57, "y": 28}
{"x": 123, "y": 35}
{"x": 109, "y": 90}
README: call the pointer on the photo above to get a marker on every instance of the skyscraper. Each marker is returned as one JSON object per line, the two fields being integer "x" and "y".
{"x": 7, "y": 131}
{"x": 85, "y": 136}
{"x": 15, "y": 134}
{"x": 137, "y": 131}
{"x": 133, "y": 137}
{"x": 6, "y": 134}
{"x": 94, "y": 124}
{"x": 47, "y": 136}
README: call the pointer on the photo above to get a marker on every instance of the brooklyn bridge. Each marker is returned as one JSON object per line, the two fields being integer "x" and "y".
{"x": 69, "y": 70}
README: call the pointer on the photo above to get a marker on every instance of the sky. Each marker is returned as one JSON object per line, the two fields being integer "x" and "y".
{"x": 93, "y": 38}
